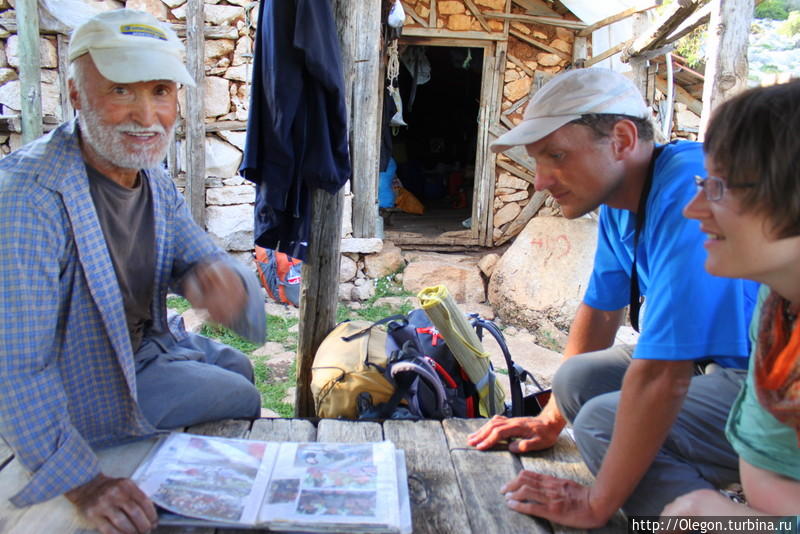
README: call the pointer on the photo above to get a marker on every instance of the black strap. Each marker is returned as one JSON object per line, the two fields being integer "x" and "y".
{"x": 636, "y": 297}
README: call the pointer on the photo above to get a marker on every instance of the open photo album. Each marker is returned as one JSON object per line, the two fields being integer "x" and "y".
{"x": 320, "y": 487}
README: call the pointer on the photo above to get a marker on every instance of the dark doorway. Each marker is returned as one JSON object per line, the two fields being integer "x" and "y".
{"x": 435, "y": 152}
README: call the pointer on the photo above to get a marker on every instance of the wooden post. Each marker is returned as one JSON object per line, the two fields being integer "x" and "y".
{"x": 638, "y": 64}
{"x": 29, "y": 74}
{"x": 726, "y": 54}
{"x": 195, "y": 143}
{"x": 319, "y": 290}
{"x": 365, "y": 40}
{"x": 62, "y": 44}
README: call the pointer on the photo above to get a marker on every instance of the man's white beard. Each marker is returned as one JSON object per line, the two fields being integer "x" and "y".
{"x": 110, "y": 143}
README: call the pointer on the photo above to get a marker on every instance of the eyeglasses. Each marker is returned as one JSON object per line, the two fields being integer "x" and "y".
{"x": 715, "y": 187}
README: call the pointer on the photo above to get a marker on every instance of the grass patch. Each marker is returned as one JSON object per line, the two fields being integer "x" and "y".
{"x": 224, "y": 335}
{"x": 179, "y": 304}
{"x": 273, "y": 393}
{"x": 278, "y": 331}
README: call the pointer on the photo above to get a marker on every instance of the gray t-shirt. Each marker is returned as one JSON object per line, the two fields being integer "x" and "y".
{"x": 126, "y": 217}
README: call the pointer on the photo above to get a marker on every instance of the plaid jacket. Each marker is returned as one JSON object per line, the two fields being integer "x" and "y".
{"x": 67, "y": 378}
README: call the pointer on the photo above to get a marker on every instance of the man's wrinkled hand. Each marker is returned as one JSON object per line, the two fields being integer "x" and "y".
{"x": 534, "y": 433}
{"x": 115, "y": 506}
{"x": 218, "y": 289}
{"x": 556, "y": 499}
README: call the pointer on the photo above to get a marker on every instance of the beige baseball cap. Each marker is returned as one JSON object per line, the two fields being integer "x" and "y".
{"x": 130, "y": 46}
{"x": 568, "y": 96}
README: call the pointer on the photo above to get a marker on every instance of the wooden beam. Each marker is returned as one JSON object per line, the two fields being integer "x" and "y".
{"x": 516, "y": 154}
{"x": 209, "y": 32}
{"x": 518, "y": 104}
{"x": 433, "y": 16}
{"x": 550, "y": 21}
{"x": 588, "y": 30}
{"x": 319, "y": 289}
{"x": 478, "y": 15}
{"x": 682, "y": 96}
{"x": 608, "y": 53}
{"x": 439, "y": 33}
{"x": 700, "y": 17}
{"x": 516, "y": 171}
{"x": 528, "y": 211}
{"x": 519, "y": 63}
{"x": 726, "y": 53}
{"x": 62, "y": 45}
{"x": 580, "y": 51}
{"x": 366, "y": 112}
{"x": 661, "y": 29}
{"x": 30, "y": 78}
{"x": 413, "y": 14}
{"x": 534, "y": 42}
{"x": 195, "y": 114}
{"x": 536, "y": 7}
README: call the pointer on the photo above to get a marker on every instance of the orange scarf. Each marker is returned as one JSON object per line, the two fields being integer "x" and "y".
{"x": 777, "y": 365}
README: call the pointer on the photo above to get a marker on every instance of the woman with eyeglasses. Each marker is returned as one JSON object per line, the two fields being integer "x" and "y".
{"x": 749, "y": 208}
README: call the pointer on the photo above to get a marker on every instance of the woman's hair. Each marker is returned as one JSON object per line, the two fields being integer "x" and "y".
{"x": 754, "y": 138}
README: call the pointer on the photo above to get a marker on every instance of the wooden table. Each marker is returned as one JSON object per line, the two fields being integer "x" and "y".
{"x": 453, "y": 488}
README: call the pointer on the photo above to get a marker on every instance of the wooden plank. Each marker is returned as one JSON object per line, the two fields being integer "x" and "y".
{"x": 516, "y": 171}
{"x": 534, "y": 42}
{"x": 478, "y": 15}
{"x": 506, "y": 122}
{"x": 698, "y": 18}
{"x": 608, "y": 53}
{"x": 482, "y": 191}
{"x": 528, "y": 212}
{"x": 480, "y": 475}
{"x": 517, "y": 154}
{"x": 210, "y": 32}
{"x": 588, "y": 30}
{"x": 283, "y": 430}
{"x": 656, "y": 36}
{"x": 439, "y": 33}
{"x": 432, "y": 16}
{"x": 62, "y": 44}
{"x": 580, "y": 51}
{"x": 227, "y": 428}
{"x": 436, "y": 503}
{"x": 413, "y": 14}
{"x": 518, "y": 104}
{"x": 536, "y": 7}
{"x": 366, "y": 112}
{"x": 341, "y": 431}
{"x": 549, "y": 21}
{"x": 681, "y": 95}
{"x": 519, "y": 63}
{"x": 58, "y": 514}
{"x": 195, "y": 144}
{"x": 30, "y": 77}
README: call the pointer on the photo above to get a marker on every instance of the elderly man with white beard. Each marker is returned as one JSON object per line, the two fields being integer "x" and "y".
{"x": 93, "y": 235}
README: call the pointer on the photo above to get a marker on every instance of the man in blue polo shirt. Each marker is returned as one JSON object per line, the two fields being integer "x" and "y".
{"x": 647, "y": 427}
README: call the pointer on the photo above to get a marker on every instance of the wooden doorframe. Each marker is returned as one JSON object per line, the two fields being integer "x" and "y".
{"x": 483, "y": 186}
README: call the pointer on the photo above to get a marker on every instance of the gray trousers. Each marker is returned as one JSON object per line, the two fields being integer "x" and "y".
{"x": 193, "y": 381}
{"x": 695, "y": 455}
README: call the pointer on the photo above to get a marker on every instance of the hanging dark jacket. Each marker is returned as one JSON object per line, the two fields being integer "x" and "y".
{"x": 297, "y": 127}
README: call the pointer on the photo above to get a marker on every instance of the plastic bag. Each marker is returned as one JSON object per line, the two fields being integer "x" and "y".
{"x": 397, "y": 16}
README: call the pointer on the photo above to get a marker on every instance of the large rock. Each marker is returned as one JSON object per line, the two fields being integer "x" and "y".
{"x": 244, "y": 47}
{"x": 385, "y": 262}
{"x": 218, "y": 48}
{"x": 227, "y": 196}
{"x": 450, "y": 7}
{"x": 48, "y": 57}
{"x": 347, "y": 269}
{"x": 464, "y": 282}
{"x": 544, "y": 273}
{"x": 459, "y": 23}
{"x": 51, "y": 99}
{"x": 157, "y": 8}
{"x": 217, "y": 96}
{"x": 231, "y": 227}
{"x": 223, "y": 15}
{"x": 515, "y": 90}
{"x": 222, "y": 159}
